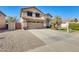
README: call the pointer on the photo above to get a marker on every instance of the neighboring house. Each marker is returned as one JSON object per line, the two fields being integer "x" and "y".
{"x": 32, "y": 18}
{"x": 2, "y": 20}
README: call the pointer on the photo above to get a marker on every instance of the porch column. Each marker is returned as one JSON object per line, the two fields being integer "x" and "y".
{"x": 21, "y": 21}
{"x": 25, "y": 24}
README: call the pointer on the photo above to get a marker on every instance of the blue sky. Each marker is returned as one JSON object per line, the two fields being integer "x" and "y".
{"x": 64, "y": 11}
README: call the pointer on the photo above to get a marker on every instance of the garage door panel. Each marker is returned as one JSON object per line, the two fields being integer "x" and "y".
{"x": 35, "y": 25}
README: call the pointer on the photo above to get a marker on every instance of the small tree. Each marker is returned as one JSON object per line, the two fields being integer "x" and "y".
{"x": 11, "y": 22}
{"x": 11, "y": 19}
{"x": 75, "y": 20}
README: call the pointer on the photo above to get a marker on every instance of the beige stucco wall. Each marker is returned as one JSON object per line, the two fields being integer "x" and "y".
{"x": 11, "y": 26}
{"x": 24, "y": 13}
{"x": 2, "y": 21}
{"x": 33, "y": 18}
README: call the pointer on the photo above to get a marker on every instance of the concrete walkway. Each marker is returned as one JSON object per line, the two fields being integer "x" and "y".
{"x": 56, "y": 41}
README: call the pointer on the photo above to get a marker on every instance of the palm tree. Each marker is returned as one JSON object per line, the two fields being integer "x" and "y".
{"x": 57, "y": 22}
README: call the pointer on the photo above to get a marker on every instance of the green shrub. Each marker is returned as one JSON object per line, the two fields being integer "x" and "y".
{"x": 74, "y": 26}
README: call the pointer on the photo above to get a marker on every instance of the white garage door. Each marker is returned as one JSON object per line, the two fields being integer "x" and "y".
{"x": 35, "y": 25}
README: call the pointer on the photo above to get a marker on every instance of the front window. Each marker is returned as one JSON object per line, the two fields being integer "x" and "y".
{"x": 37, "y": 15}
{"x": 29, "y": 13}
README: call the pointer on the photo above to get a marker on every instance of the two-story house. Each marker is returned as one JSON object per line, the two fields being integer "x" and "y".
{"x": 2, "y": 20}
{"x": 32, "y": 18}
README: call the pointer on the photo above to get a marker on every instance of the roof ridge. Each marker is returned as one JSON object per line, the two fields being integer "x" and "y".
{"x": 2, "y": 13}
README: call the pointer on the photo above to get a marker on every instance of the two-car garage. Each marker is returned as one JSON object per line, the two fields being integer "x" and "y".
{"x": 35, "y": 24}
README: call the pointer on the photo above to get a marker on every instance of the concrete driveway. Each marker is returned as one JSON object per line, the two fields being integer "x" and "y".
{"x": 56, "y": 41}
{"x": 18, "y": 41}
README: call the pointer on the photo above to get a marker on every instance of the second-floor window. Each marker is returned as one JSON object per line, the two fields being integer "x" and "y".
{"x": 29, "y": 13}
{"x": 37, "y": 14}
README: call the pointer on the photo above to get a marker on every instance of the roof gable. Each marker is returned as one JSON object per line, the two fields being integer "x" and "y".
{"x": 31, "y": 8}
